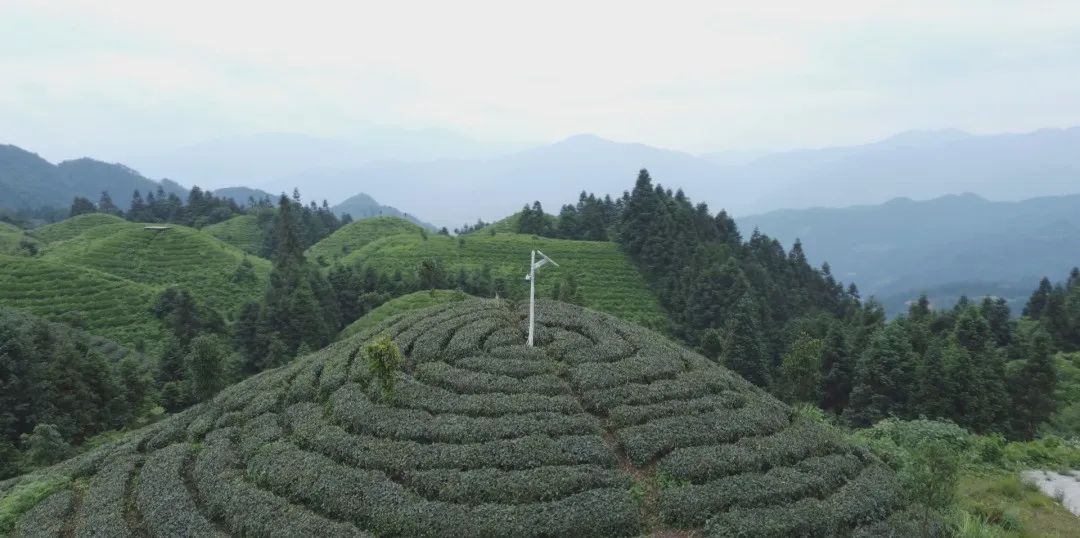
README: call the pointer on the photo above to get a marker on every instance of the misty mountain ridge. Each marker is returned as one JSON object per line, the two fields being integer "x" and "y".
{"x": 29, "y": 181}
{"x": 949, "y": 245}
{"x": 916, "y": 164}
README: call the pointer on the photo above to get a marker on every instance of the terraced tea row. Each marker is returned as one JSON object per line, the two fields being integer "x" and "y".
{"x": 606, "y": 279}
{"x": 100, "y": 303}
{"x": 481, "y": 436}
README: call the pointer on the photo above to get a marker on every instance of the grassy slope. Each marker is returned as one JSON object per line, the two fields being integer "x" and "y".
{"x": 357, "y": 234}
{"x": 101, "y": 303}
{"x": 10, "y": 237}
{"x": 240, "y": 231}
{"x": 607, "y": 280}
{"x": 178, "y": 256}
{"x": 401, "y": 305}
{"x": 1015, "y": 509}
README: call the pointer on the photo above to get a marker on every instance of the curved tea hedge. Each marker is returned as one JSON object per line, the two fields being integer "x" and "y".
{"x": 603, "y": 429}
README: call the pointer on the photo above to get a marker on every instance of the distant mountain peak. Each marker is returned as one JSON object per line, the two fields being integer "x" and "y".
{"x": 926, "y": 137}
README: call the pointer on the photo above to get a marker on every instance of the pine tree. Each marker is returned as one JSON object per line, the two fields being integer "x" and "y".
{"x": 206, "y": 366}
{"x": 106, "y": 205}
{"x": 1036, "y": 305}
{"x": 883, "y": 377}
{"x": 1033, "y": 387}
{"x": 299, "y": 306}
{"x": 81, "y": 206}
{"x": 801, "y": 369}
{"x": 744, "y": 351}
{"x": 838, "y": 370}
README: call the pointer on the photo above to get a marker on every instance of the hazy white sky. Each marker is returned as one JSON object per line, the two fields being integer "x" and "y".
{"x": 122, "y": 77}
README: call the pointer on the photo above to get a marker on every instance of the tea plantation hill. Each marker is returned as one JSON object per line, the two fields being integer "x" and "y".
{"x": 355, "y": 235}
{"x": 606, "y": 279}
{"x": 604, "y": 429}
{"x": 241, "y": 231}
{"x": 102, "y": 273}
{"x": 100, "y": 303}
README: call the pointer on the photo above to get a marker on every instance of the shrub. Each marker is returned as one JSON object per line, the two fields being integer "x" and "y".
{"x": 383, "y": 359}
{"x": 462, "y": 381}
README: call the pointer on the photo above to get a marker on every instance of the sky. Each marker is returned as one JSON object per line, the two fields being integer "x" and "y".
{"x": 122, "y": 78}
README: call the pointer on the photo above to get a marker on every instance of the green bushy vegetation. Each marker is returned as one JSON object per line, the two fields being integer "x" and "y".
{"x": 480, "y": 436}
{"x": 356, "y": 235}
{"x": 241, "y": 231}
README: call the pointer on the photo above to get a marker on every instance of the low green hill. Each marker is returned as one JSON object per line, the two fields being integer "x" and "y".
{"x": 603, "y": 429}
{"x": 241, "y": 231}
{"x": 402, "y": 305}
{"x": 95, "y": 224}
{"x": 357, "y": 234}
{"x": 606, "y": 279}
{"x": 100, "y": 303}
{"x": 178, "y": 256}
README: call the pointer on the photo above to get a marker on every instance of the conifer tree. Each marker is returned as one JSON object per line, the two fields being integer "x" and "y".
{"x": 744, "y": 351}
{"x": 81, "y": 206}
{"x": 883, "y": 378}
{"x": 838, "y": 369}
{"x": 1033, "y": 387}
{"x": 801, "y": 369}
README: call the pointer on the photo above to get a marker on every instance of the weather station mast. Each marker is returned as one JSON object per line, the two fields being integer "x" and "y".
{"x": 531, "y": 277}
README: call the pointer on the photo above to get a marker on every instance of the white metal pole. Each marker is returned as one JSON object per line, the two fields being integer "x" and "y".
{"x": 532, "y": 297}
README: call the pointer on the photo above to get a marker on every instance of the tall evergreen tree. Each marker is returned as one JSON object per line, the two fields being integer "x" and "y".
{"x": 81, "y": 206}
{"x": 744, "y": 351}
{"x": 838, "y": 369}
{"x": 1033, "y": 387}
{"x": 883, "y": 377}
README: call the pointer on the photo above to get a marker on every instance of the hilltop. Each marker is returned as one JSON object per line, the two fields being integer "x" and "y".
{"x": 357, "y": 234}
{"x": 176, "y": 256}
{"x": 241, "y": 231}
{"x": 604, "y": 429}
{"x": 606, "y": 279}
{"x": 101, "y": 273}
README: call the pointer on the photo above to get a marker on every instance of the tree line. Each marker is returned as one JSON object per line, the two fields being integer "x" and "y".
{"x": 795, "y": 330}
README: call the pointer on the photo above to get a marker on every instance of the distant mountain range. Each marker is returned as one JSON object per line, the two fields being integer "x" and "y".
{"x": 450, "y": 191}
{"x": 947, "y": 246}
{"x": 28, "y": 181}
